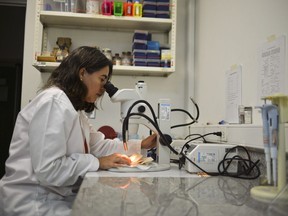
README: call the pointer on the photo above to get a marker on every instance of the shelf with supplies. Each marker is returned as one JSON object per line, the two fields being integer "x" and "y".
{"x": 82, "y": 20}
{"x": 56, "y": 22}
{"x": 47, "y": 67}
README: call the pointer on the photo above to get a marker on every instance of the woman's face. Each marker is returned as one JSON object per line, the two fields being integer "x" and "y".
{"x": 95, "y": 83}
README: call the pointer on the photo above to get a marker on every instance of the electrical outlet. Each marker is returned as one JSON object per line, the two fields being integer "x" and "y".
{"x": 223, "y": 137}
{"x": 216, "y": 128}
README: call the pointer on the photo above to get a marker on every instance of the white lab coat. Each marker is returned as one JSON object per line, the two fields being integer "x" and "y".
{"x": 47, "y": 156}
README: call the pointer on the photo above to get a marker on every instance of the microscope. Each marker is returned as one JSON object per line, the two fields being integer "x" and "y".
{"x": 133, "y": 113}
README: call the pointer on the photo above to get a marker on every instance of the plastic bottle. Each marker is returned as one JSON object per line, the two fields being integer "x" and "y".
{"x": 137, "y": 9}
{"x": 92, "y": 6}
{"x": 128, "y": 8}
{"x": 118, "y": 8}
{"x": 106, "y": 8}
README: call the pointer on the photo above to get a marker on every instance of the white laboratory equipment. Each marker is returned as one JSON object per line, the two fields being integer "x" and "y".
{"x": 278, "y": 192}
{"x": 133, "y": 113}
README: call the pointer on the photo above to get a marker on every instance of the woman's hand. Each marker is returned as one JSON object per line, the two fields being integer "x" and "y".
{"x": 114, "y": 160}
{"x": 149, "y": 142}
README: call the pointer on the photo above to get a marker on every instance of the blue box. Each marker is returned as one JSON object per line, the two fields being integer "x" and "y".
{"x": 139, "y": 53}
{"x": 163, "y": 6}
{"x": 153, "y": 45}
{"x": 139, "y": 46}
{"x": 149, "y": 6}
{"x": 163, "y": 14}
{"x": 139, "y": 62}
{"x": 153, "y": 54}
{"x": 153, "y": 62}
{"x": 141, "y": 35}
{"x": 151, "y": 15}
{"x": 166, "y": 1}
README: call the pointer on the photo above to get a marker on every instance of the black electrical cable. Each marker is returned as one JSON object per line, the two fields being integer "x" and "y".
{"x": 186, "y": 124}
{"x": 197, "y": 108}
{"x": 249, "y": 166}
{"x": 194, "y": 120}
{"x": 199, "y": 136}
{"x": 226, "y": 162}
{"x": 149, "y": 106}
{"x": 155, "y": 124}
{"x": 126, "y": 122}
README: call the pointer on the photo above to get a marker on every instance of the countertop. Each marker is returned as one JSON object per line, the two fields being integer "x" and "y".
{"x": 170, "y": 192}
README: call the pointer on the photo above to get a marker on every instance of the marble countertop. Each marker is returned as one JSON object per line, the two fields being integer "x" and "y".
{"x": 170, "y": 192}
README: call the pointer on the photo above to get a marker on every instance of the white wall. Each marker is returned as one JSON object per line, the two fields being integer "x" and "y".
{"x": 227, "y": 32}
{"x": 172, "y": 87}
{"x": 230, "y": 32}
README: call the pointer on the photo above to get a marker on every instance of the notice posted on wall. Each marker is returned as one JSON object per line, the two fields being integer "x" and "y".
{"x": 233, "y": 93}
{"x": 272, "y": 78}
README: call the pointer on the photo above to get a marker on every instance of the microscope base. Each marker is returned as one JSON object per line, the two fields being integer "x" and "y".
{"x": 154, "y": 168}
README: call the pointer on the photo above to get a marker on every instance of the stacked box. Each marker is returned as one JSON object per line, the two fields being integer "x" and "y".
{"x": 145, "y": 51}
{"x": 163, "y": 9}
{"x": 156, "y": 8}
{"x": 153, "y": 54}
{"x": 149, "y": 8}
{"x": 139, "y": 47}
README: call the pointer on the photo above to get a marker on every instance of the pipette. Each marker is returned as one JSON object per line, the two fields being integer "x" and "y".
{"x": 264, "y": 109}
{"x": 273, "y": 141}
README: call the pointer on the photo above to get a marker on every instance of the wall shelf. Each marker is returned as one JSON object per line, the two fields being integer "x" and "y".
{"x": 48, "y": 67}
{"x": 47, "y": 20}
{"x": 81, "y": 20}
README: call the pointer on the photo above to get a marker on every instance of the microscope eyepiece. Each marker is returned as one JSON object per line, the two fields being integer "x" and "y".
{"x": 110, "y": 89}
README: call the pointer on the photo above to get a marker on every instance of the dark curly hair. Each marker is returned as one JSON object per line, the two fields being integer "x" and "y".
{"x": 66, "y": 75}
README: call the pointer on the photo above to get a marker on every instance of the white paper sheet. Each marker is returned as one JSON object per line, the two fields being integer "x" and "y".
{"x": 233, "y": 93}
{"x": 271, "y": 72}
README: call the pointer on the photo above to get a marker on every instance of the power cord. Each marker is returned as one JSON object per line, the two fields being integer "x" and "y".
{"x": 248, "y": 167}
{"x": 200, "y": 136}
{"x": 125, "y": 125}
{"x": 194, "y": 120}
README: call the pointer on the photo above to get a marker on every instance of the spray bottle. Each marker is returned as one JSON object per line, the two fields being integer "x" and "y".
{"x": 106, "y": 8}
{"x": 128, "y": 8}
{"x": 137, "y": 9}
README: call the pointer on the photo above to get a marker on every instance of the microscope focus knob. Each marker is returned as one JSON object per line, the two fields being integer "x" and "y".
{"x": 166, "y": 141}
{"x": 141, "y": 109}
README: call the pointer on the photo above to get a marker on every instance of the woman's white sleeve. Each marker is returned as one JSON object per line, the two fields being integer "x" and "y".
{"x": 99, "y": 146}
{"x": 49, "y": 131}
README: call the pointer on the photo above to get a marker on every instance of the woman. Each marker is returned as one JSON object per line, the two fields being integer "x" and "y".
{"x": 53, "y": 145}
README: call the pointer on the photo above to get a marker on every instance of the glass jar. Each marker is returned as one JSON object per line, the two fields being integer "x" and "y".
{"x": 125, "y": 59}
{"x": 107, "y": 52}
{"x": 129, "y": 55}
{"x": 117, "y": 59}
